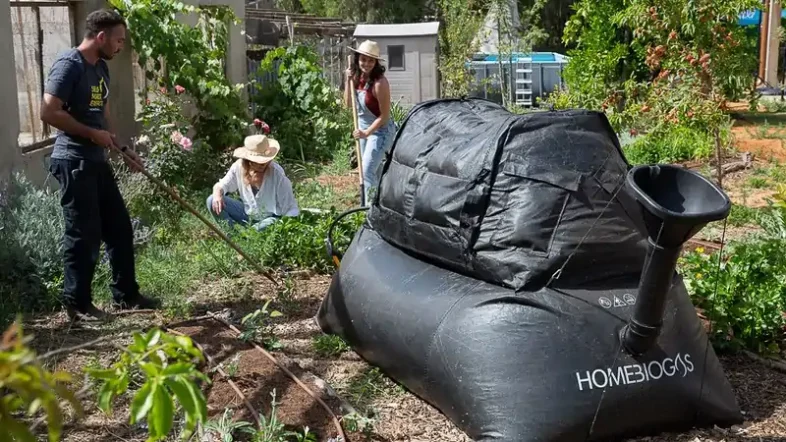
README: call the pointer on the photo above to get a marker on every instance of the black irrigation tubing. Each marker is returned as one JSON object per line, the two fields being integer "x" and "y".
{"x": 272, "y": 358}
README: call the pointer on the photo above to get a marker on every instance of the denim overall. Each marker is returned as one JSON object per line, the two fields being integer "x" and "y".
{"x": 373, "y": 147}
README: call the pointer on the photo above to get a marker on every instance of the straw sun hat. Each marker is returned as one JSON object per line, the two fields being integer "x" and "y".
{"x": 368, "y": 48}
{"x": 258, "y": 149}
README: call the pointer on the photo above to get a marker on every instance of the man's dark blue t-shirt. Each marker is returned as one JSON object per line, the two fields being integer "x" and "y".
{"x": 84, "y": 90}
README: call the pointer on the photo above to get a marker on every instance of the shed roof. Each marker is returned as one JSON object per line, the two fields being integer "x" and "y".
{"x": 397, "y": 30}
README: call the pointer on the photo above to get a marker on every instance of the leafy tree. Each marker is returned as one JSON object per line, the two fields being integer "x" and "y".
{"x": 652, "y": 65}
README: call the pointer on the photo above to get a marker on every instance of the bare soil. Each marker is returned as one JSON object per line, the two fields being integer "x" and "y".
{"x": 258, "y": 378}
{"x": 767, "y": 144}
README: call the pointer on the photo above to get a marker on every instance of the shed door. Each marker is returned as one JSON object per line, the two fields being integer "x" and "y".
{"x": 428, "y": 76}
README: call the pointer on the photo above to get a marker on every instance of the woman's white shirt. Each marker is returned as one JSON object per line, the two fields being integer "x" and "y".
{"x": 275, "y": 197}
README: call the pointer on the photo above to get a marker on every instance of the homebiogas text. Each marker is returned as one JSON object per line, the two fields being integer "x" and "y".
{"x": 679, "y": 365}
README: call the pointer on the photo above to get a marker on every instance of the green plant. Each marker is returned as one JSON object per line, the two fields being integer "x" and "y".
{"x": 653, "y": 63}
{"x": 370, "y": 384}
{"x": 303, "y": 111}
{"x": 273, "y": 430}
{"x": 741, "y": 215}
{"x": 299, "y": 241}
{"x": 256, "y": 326}
{"x": 189, "y": 166}
{"x": 225, "y": 427}
{"x": 461, "y": 20}
{"x": 670, "y": 144}
{"x": 357, "y": 422}
{"x": 191, "y": 57}
{"x": 31, "y": 229}
{"x": 747, "y": 311}
{"x": 230, "y": 368}
{"x": 28, "y": 388}
{"x": 398, "y": 112}
{"x": 758, "y": 182}
{"x": 166, "y": 364}
{"x": 329, "y": 345}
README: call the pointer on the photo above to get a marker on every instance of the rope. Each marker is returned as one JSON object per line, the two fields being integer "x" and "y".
{"x": 556, "y": 275}
{"x": 619, "y": 348}
{"x": 715, "y": 293}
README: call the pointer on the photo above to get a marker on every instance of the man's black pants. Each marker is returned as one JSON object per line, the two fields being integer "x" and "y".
{"x": 94, "y": 211}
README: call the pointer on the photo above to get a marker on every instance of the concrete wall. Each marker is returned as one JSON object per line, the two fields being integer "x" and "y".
{"x": 9, "y": 129}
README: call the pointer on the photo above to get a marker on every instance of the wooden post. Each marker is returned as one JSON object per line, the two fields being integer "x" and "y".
{"x": 40, "y": 60}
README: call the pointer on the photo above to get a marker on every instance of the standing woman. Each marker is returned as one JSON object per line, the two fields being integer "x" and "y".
{"x": 375, "y": 127}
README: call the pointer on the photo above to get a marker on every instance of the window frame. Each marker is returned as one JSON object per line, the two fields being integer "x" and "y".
{"x": 403, "y": 66}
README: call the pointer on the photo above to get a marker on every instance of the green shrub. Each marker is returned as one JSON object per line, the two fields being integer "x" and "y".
{"x": 304, "y": 112}
{"x": 31, "y": 229}
{"x": 748, "y": 309}
{"x": 671, "y": 145}
{"x": 300, "y": 241}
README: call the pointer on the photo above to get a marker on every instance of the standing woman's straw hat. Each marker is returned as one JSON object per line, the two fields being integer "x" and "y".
{"x": 368, "y": 48}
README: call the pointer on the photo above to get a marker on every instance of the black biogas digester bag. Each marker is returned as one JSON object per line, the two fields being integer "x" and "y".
{"x": 516, "y": 273}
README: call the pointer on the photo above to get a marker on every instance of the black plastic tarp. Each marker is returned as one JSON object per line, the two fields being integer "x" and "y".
{"x": 445, "y": 286}
{"x": 506, "y": 198}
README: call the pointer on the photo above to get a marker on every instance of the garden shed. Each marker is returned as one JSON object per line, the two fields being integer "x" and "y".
{"x": 411, "y": 51}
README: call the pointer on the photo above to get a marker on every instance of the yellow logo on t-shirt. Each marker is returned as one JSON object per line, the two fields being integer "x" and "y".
{"x": 98, "y": 94}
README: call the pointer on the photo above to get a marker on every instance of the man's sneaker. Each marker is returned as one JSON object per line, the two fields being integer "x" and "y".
{"x": 138, "y": 302}
{"x": 89, "y": 314}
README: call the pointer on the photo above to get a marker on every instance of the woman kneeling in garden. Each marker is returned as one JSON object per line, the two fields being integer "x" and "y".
{"x": 264, "y": 188}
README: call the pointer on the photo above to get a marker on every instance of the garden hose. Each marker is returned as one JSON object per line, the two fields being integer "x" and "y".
{"x": 333, "y": 254}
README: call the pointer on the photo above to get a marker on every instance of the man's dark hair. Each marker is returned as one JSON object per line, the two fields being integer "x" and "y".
{"x": 102, "y": 20}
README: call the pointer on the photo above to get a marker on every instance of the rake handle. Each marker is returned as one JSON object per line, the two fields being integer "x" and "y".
{"x": 351, "y": 86}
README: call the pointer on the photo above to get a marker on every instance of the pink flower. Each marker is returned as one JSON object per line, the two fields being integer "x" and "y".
{"x": 186, "y": 143}
{"x": 176, "y": 137}
{"x": 179, "y": 89}
{"x": 261, "y": 125}
{"x": 163, "y": 90}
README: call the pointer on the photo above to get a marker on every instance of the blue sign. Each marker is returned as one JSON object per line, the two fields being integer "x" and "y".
{"x": 750, "y": 18}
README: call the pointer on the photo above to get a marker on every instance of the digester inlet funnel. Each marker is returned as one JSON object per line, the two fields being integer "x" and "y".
{"x": 677, "y": 204}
